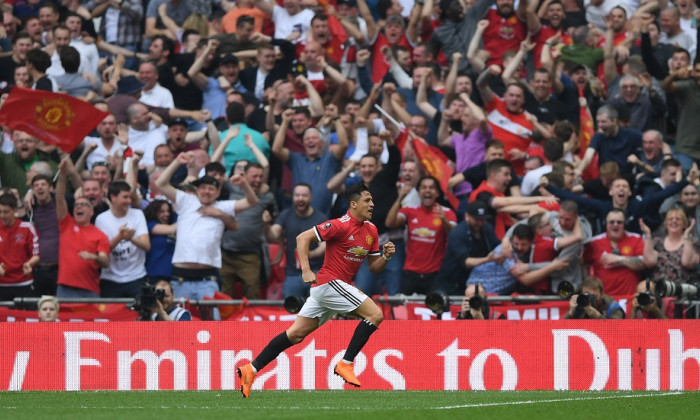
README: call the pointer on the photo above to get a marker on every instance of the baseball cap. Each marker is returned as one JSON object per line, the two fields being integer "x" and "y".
{"x": 395, "y": 19}
{"x": 128, "y": 85}
{"x": 206, "y": 179}
{"x": 477, "y": 209}
{"x": 573, "y": 67}
{"x": 177, "y": 121}
{"x": 351, "y": 3}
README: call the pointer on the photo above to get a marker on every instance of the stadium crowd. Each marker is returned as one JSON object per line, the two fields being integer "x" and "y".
{"x": 562, "y": 139}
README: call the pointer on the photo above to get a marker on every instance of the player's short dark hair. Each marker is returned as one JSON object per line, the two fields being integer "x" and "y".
{"x": 70, "y": 59}
{"x": 319, "y": 16}
{"x": 115, "y": 188}
{"x": 22, "y": 34}
{"x": 524, "y": 231}
{"x": 670, "y": 163}
{"x": 302, "y": 110}
{"x": 435, "y": 180}
{"x": 252, "y": 165}
{"x": 494, "y": 143}
{"x": 496, "y": 165}
{"x": 216, "y": 167}
{"x": 45, "y": 177}
{"x": 355, "y": 192}
{"x": 303, "y": 184}
{"x": 8, "y": 200}
{"x": 168, "y": 44}
{"x": 40, "y": 59}
{"x": 553, "y": 149}
{"x": 243, "y": 19}
{"x": 235, "y": 113}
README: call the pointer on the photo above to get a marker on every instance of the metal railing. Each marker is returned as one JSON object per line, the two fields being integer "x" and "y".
{"x": 31, "y": 302}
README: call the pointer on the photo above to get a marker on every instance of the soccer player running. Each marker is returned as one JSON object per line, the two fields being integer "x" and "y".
{"x": 349, "y": 240}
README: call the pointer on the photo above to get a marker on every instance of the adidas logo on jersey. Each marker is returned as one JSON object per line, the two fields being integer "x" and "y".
{"x": 351, "y": 238}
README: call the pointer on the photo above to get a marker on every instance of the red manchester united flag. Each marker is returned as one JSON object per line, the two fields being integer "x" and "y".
{"x": 53, "y": 118}
{"x": 435, "y": 164}
{"x": 586, "y": 134}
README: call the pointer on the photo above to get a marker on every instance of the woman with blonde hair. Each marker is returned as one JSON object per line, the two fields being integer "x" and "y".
{"x": 673, "y": 257}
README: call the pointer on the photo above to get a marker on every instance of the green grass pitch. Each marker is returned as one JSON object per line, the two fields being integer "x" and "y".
{"x": 350, "y": 404}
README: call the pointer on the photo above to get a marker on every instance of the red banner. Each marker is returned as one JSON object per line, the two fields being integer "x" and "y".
{"x": 54, "y": 118}
{"x": 401, "y": 355}
{"x": 435, "y": 163}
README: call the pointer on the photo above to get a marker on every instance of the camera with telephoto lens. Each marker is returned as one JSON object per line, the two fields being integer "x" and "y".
{"x": 645, "y": 298}
{"x": 293, "y": 304}
{"x": 566, "y": 289}
{"x": 584, "y": 299}
{"x": 476, "y": 301}
{"x": 145, "y": 303}
{"x": 438, "y": 303}
{"x": 677, "y": 290}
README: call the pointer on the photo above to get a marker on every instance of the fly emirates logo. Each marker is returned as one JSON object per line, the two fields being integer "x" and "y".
{"x": 573, "y": 358}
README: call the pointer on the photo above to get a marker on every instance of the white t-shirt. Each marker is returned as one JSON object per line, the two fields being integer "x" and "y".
{"x": 158, "y": 96}
{"x": 127, "y": 262}
{"x": 531, "y": 180}
{"x": 147, "y": 141}
{"x": 199, "y": 237}
{"x": 111, "y": 18}
{"x": 89, "y": 57}
{"x": 285, "y": 23}
{"x": 100, "y": 154}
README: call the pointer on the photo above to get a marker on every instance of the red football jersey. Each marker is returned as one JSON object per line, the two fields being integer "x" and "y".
{"x": 617, "y": 281}
{"x": 348, "y": 242}
{"x": 427, "y": 239}
{"x": 502, "y": 34}
{"x": 514, "y": 130}
{"x": 543, "y": 251}
{"x": 18, "y": 243}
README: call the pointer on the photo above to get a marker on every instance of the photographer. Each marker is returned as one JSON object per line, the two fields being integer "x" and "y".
{"x": 165, "y": 310}
{"x": 474, "y": 304}
{"x": 645, "y": 304}
{"x": 591, "y": 303}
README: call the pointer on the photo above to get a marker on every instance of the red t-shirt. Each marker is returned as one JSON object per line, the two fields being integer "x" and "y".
{"x": 348, "y": 242}
{"x": 18, "y": 243}
{"x": 502, "y": 34}
{"x": 543, "y": 251}
{"x": 542, "y": 36}
{"x": 427, "y": 239}
{"x": 379, "y": 66}
{"x": 617, "y": 281}
{"x": 514, "y": 130}
{"x": 74, "y": 271}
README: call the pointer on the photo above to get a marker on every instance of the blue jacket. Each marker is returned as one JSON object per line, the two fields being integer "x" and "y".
{"x": 453, "y": 274}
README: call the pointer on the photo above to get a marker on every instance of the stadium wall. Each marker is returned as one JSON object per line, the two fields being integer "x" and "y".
{"x": 402, "y": 355}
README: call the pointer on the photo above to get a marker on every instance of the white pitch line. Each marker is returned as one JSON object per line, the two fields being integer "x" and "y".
{"x": 356, "y": 408}
{"x": 611, "y": 397}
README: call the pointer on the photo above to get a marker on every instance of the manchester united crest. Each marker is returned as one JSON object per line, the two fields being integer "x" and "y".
{"x": 369, "y": 240}
{"x": 54, "y": 114}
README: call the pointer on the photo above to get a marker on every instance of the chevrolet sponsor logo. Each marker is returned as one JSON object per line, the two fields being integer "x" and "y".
{"x": 358, "y": 251}
{"x": 423, "y": 232}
